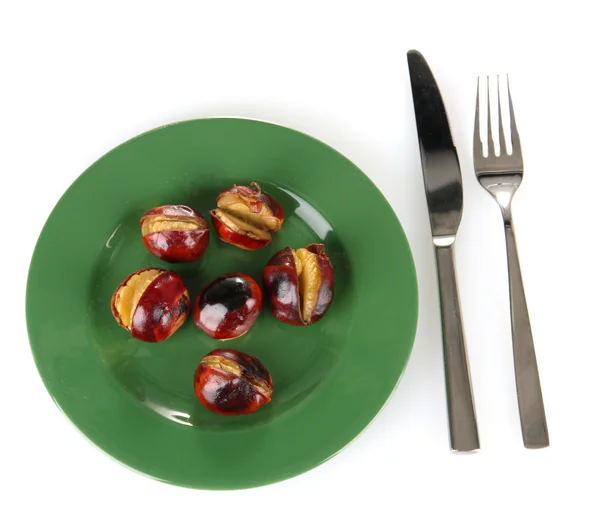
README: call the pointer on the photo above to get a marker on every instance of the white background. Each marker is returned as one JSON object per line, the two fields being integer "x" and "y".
{"x": 80, "y": 78}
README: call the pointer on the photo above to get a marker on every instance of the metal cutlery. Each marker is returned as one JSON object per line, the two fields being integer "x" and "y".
{"x": 501, "y": 176}
{"x": 443, "y": 189}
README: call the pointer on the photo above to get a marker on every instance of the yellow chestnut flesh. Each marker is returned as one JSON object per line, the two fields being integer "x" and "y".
{"x": 310, "y": 280}
{"x": 129, "y": 295}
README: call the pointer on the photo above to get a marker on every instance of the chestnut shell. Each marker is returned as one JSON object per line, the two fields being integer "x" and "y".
{"x": 229, "y": 382}
{"x": 228, "y": 306}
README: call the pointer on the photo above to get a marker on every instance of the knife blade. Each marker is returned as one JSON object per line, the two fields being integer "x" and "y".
{"x": 441, "y": 170}
{"x": 443, "y": 191}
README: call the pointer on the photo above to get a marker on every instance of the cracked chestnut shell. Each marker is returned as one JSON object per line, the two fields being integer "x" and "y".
{"x": 175, "y": 233}
{"x": 151, "y": 304}
{"x": 245, "y": 215}
{"x": 230, "y": 382}
{"x": 299, "y": 284}
{"x": 228, "y": 306}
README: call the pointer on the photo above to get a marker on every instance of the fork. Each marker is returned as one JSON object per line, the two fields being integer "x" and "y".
{"x": 501, "y": 176}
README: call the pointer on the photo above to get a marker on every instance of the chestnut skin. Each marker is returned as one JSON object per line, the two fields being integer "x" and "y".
{"x": 245, "y": 215}
{"x": 299, "y": 284}
{"x": 175, "y": 233}
{"x": 228, "y": 306}
{"x": 151, "y": 304}
{"x": 229, "y": 382}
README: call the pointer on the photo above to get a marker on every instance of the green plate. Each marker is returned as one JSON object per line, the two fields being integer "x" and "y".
{"x": 135, "y": 400}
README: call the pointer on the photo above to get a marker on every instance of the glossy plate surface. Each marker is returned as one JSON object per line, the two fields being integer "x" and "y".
{"x": 136, "y": 400}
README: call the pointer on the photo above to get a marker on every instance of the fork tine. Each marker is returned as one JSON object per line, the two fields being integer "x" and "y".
{"x": 500, "y": 128}
{"x": 490, "y": 140}
{"x": 477, "y": 144}
{"x": 514, "y": 134}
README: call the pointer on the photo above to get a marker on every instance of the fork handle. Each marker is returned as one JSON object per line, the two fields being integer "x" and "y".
{"x": 459, "y": 398}
{"x": 529, "y": 390}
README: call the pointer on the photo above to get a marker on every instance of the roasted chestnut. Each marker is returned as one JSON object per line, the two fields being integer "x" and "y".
{"x": 253, "y": 205}
{"x": 175, "y": 233}
{"x": 245, "y": 215}
{"x": 228, "y": 306}
{"x": 229, "y": 382}
{"x": 236, "y": 231}
{"x": 299, "y": 284}
{"x": 151, "y": 304}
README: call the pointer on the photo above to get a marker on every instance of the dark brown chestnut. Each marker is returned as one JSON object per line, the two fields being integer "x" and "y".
{"x": 299, "y": 284}
{"x": 175, "y": 233}
{"x": 230, "y": 382}
{"x": 151, "y": 304}
{"x": 228, "y": 306}
{"x": 245, "y": 215}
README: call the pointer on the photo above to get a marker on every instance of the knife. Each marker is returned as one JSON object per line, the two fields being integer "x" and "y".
{"x": 443, "y": 190}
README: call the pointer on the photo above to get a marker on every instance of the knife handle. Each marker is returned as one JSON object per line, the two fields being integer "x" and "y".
{"x": 461, "y": 411}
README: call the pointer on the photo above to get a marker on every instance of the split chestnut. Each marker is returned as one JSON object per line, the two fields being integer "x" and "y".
{"x": 229, "y": 382}
{"x": 245, "y": 215}
{"x": 175, "y": 233}
{"x": 299, "y": 284}
{"x": 151, "y": 304}
{"x": 228, "y": 306}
